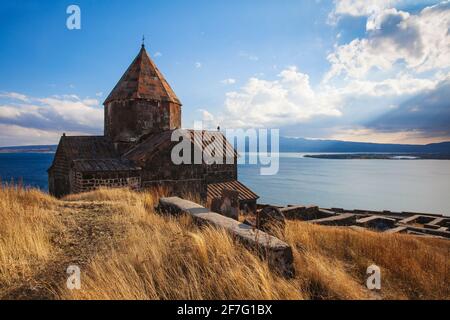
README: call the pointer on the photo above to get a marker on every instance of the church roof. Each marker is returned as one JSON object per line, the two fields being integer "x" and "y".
{"x": 84, "y": 147}
{"x": 94, "y": 165}
{"x": 207, "y": 141}
{"x": 87, "y": 147}
{"x": 143, "y": 80}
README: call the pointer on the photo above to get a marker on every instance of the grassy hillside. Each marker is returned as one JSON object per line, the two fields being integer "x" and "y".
{"x": 127, "y": 251}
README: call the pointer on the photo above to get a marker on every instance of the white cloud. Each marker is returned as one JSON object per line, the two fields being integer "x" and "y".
{"x": 402, "y": 84}
{"x": 228, "y": 81}
{"x": 51, "y": 113}
{"x": 417, "y": 43}
{"x": 18, "y": 111}
{"x": 206, "y": 115}
{"x": 16, "y": 135}
{"x": 198, "y": 65}
{"x": 361, "y": 134}
{"x": 289, "y": 99}
{"x": 207, "y": 119}
{"x": 157, "y": 54}
{"x": 14, "y": 96}
{"x": 358, "y": 8}
{"x": 83, "y": 112}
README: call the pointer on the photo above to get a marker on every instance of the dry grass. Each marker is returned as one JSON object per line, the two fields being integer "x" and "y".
{"x": 160, "y": 257}
{"x": 26, "y": 218}
{"x": 169, "y": 258}
{"x": 334, "y": 262}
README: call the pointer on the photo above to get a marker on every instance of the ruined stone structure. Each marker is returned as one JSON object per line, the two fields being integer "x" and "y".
{"x": 141, "y": 114}
{"x": 418, "y": 224}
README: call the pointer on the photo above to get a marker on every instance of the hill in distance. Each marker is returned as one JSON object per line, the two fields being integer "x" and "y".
{"x": 304, "y": 145}
{"x": 309, "y": 145}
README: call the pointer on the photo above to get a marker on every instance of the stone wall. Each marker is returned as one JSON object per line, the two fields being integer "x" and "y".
{"x": 128, "y": 120}
{"x": 192, "y": 178}
{"x": 82, "y": 182}
{"x": 194, "y": 188}
{"x": 220, "y": 172}
{"x": 58, "y": 175}
{"x": 161, "y": 167}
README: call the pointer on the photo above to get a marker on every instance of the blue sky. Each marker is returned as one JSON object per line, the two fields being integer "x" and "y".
{"x": 374, "y": 70}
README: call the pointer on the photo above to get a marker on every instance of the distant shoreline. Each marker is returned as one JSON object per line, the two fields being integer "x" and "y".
{"x": 25, "y": 151}
{"x": 301, "y": 145}
{"x": 381, "y": 156}
{"x": 331, "y": 156}
{"x": 29, "y": 149}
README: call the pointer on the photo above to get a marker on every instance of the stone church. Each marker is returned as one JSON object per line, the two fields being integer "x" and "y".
{"x": 141, "y": 113}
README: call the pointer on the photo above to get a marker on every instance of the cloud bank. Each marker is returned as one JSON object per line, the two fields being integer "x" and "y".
{"x": 32, "y": 120}
{"x": 398, "y": 74}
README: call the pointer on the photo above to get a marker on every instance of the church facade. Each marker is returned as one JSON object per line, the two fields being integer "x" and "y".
{"x": 141, "y": 114}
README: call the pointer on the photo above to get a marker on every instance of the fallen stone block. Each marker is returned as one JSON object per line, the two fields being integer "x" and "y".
{"x": 359, "y": 211}
{"x": 433, "y": 215}
{"x": 438, "y": 222}
{"x": 277, "y": 252}
{"x": 398, "y": 229}
{"x": 326, "y": 213}
{"x": 431, "y": 226}
{"x": 444, "y": 234}
{"x": 301, "y": 212}
{"x": 417, "y": 219}
{"x": 344, "y": 219}
{"x": 376, "y": 222}
{"x": 263, "y": 205}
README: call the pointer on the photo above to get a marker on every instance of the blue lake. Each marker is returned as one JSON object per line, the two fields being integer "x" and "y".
{"x": 406, "y": 185}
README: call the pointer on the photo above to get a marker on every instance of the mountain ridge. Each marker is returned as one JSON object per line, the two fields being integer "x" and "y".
{"x": 288, "y": 144}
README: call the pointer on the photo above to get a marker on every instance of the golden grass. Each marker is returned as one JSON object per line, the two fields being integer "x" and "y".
{"x": 26, "y": 219}
{"x": 162, "y": 257}
{"x": 411, "y": 267}
{"x": 171, "y": 258}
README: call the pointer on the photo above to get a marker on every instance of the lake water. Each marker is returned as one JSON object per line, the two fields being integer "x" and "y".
{"x": 400, "y": 185}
